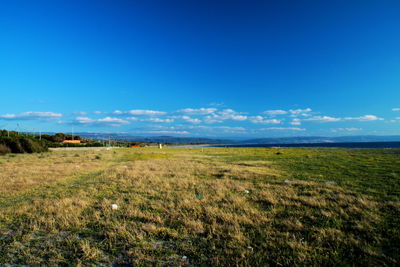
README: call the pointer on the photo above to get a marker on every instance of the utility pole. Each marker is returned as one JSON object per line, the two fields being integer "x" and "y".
{"x": 8, "y": 132}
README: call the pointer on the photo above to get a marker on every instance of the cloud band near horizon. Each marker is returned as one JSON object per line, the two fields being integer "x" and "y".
{"x": 282, "y": 120}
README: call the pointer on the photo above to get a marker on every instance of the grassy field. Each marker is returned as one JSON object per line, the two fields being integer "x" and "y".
{"x": 211, "y": 206}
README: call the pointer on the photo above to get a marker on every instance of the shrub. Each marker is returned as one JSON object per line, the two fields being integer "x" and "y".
{"x": 30, "y": 146}
{"x": 4, "y": 149}
{"x": 95, "y": 144}
{"x": 19, "y": 144}
{"x": 13, "y": 144}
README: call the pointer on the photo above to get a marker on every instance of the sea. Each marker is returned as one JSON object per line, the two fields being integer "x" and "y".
{"x": 332, "y": 145}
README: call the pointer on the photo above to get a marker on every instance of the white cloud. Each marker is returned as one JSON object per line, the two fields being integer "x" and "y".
{"x": 191, "y": 120}
{"x": 166, "y": 132}
{"x": 230, "y": 114}
{"x": 146, "y": 112}
{"x": 201, "y": 129}
{"x": 364, "y": 118}
{"x": 395, "y": 109}
{"x": 212, "y": 119}
{"x": 238, "y": 117}
{"x": 84, "y": 120}
{"x": 199, "y": 111}
{"x": 235, "y": 128}
{"x": 159, "y": 120}
{"x": 300, "y": 112}
{"x": 227, "y": 111}
{"x": 97, "y": 112}
{"x": 32, "y": 116}
{"x": 107, "y": 121}
{"x": 295, "y": 121}
{"x": 112, "y": 120}
{"x": 323, "y": 119}
{"x": 351, "y": 129}
{"x": 282, "y": 129}
{"x": 226, "y": 114}
{"x": 262, "y": 120}
{"x": 275, "y": 112}
{"x": 118, "y": 112}
{"x": 297, "y": 111}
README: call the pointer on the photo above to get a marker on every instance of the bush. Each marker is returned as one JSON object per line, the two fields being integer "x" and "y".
{"x": 13, "y": 144}
{"x": 19, "y": 144}
{"x": 32, "y": 146}
{"x": 95, "y": 144}
{"x": 4, "y": 149}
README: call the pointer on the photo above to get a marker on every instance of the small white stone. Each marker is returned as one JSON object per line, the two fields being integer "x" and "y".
{"x": 250, "y": 247}
{"x": 287, "y": 181}
{"x": 184, "y": 257}
{"x": 247, "y": 191}
{"x": 114, "y": 206}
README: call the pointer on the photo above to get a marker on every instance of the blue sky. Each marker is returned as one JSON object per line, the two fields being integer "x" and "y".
{"x": 201, "y": 68}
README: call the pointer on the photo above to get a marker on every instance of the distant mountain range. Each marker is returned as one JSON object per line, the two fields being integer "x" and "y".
{"x": 319, "y": 139}
{"x": 271, "y": 140}
{"x": 156, "y": 139}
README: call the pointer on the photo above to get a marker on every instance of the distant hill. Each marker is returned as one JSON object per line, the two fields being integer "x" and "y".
{"x": 320, "y": 139}
{"x": 272, "y": 140}
{"x": 157, "y": 139}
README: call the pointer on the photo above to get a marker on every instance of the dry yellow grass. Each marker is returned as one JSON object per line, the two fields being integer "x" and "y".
{"x": 181, "y": 207}
{"x": 28, "y": 171}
